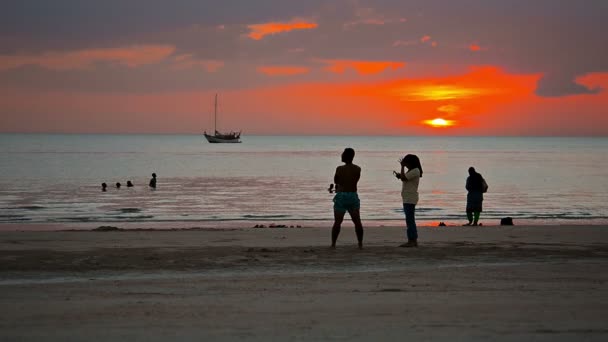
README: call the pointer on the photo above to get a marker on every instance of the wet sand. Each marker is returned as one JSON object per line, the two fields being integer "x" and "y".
{"x": 463, "y": 283}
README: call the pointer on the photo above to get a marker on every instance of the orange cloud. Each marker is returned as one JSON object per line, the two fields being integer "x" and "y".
{"x": 361, "y": 67}
{"x": 449, "y": 109}
{"x": 439, "y": 92}
{"x": 594, "y": 80}
{"x": 132, "y": 56}
{"x": 476, "y": 47}
{"x": 282, "y": 70}
{"x": 259, "y": 31}
{"x": 426, "y": 39}
{"x": 186, "y": 61}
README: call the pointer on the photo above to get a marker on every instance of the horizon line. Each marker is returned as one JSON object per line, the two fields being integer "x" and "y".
{"x": 313, "y": 135}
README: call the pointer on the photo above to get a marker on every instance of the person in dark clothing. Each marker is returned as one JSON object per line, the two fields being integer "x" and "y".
{"x": 153, "y": 181}
{"x": 104, "y": 187}
{"x": 346, "y": 199}
{"x": 476, "y": 186}
{"x": 129, "y": 184}
{"x": 118, "y": 185}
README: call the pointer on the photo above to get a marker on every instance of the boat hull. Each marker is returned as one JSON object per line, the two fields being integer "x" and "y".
{"x": 216, "y": 140}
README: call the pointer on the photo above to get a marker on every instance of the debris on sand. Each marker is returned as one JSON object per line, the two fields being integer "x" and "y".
{"x": 106, "y": 229}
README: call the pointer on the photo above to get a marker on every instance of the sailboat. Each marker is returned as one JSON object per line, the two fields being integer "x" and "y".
{"x": 232, "y": 137}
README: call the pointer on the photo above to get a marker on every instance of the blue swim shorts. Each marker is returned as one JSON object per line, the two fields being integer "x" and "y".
{"x": 345, "y": 201}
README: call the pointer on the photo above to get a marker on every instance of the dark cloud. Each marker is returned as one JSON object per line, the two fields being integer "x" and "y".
{"x": 84, "y": 23}
{"x": 560, "y": 39}
{"x": 561, "y": 84}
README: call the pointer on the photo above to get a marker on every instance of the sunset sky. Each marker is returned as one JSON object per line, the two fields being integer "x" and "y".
{"x": 343, "y": 67}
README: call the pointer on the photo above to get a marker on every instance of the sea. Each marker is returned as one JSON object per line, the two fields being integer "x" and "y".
{"x": 53, "y": 181}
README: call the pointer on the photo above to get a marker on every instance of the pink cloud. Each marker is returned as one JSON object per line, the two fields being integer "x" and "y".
{"x": 259, "y": 31}
{"x": 476, "y": 47}
{"x": 368, "y": 16}
{"x": 283, "y": 70}
{"x": 186, "y": 61}
{"x": 296, "y": 50}
{"x": 132, "y": 56}
{"x": 405, "y": 43}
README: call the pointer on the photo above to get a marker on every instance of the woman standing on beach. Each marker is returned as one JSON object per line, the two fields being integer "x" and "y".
{"x": 409, "y": 194}
{"x": 475, "y": 186}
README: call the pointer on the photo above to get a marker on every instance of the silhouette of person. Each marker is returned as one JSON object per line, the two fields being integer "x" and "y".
{"x": 346, "y": 198}
{"x": 409, "y": 194}
{"x": 118, "y": 185}
{"x": 153, "y": 181}
{"x": 476, "y": 186}
{"x": 104, "y": 187}
{"x": 129, "y": 184}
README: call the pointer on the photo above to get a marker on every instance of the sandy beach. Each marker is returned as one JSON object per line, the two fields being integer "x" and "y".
{"x": 543, "y": 283}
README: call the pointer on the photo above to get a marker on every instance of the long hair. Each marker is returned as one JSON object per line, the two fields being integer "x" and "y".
{"x": 412, "y": 161}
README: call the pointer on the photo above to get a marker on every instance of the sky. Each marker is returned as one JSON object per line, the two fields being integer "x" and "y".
{"x": 283, "y": 67}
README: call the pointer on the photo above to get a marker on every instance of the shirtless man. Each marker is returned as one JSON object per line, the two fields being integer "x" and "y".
{"x": 346, "y": 198}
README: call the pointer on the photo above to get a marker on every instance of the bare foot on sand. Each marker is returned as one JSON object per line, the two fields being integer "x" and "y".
{"x": 411, "y": 243}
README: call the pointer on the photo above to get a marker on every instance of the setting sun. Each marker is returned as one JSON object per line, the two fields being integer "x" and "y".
{"x": 439, "y": 122}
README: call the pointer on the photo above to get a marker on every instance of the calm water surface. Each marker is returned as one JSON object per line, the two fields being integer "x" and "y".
{"x": 283, "y": 180}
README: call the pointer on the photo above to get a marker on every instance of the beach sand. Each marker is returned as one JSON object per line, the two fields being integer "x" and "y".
{"x": 544, "y": 283}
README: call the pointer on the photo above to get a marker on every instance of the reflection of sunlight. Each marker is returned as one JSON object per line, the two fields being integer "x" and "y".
{"x": 439, "y": 93}
{"x": 439, "y": 122}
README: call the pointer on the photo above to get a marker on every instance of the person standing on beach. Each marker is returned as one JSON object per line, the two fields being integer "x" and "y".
{"x": 346, "y": 198}
{"x": 409, "y": 195}
{"x": 153, "y": 181}
{"x": 476, "y": 186}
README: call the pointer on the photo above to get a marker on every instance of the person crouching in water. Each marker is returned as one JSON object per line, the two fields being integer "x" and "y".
{"x": 346, "y": 198}
{"x": 475, "y": 186}
{"x": 409, "y": 194}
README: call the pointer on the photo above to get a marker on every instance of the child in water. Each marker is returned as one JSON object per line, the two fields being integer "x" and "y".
{"x": 152, "y": 183}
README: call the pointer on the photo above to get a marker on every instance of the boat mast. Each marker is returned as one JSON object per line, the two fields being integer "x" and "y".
{"x": 215, "y": 119}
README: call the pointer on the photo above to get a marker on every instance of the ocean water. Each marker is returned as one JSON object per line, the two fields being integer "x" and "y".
{"x": 283, "y": 180}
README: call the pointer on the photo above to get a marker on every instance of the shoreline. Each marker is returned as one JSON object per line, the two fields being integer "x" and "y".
{"x": 237, "y": 225}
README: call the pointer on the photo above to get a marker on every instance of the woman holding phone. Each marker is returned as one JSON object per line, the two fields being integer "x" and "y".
{"x": 410, "y": 180}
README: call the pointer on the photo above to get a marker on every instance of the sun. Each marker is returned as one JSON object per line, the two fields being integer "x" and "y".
{"x": 439, "y": 123}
